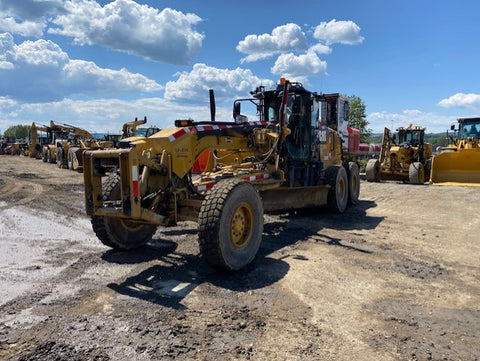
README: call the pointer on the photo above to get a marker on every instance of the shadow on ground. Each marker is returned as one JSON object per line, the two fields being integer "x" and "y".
{"x": 169, "y": 283}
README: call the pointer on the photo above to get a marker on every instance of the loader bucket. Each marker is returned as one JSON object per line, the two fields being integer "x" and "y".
{"x": 456, "y": 168}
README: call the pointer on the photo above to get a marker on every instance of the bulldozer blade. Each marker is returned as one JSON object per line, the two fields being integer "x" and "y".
{"x": 456, "y": 168}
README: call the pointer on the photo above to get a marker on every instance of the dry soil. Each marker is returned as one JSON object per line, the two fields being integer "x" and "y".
{"x": 394, "y": 278}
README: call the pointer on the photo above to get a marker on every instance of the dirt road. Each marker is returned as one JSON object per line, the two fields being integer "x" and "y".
{"x": 395, "y": 278}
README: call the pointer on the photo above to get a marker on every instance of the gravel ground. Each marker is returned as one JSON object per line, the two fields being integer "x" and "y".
{"x": 394, "y": 278}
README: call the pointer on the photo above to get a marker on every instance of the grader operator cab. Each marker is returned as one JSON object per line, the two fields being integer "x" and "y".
{"x": 459, "y": 162}
{"x": 285, "y": 159}
{"x": 404, "y": 156}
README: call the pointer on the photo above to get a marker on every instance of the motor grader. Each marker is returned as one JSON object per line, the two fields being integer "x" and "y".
{"x": 404, "y": 156}
{"x": 36, "y": 142}
{"x": 459, "y": 162}
{"x": 69, "y": 150}
{"x": 287, "y": 158}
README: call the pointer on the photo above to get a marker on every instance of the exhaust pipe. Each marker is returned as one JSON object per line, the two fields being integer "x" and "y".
{"x": 212, "y": 105}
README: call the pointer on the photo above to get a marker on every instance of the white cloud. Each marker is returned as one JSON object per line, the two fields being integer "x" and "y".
{"x": 31, "y": 9}
{"x": 343, "y": 32}
{"x": 166, "y": 36}
{"x": 24, "y": 28}
{"x": 27, "y": 17}
{"x": 105, "y": 115}
{"x": 434, "y": 123}
{"x": 462, "y": 100}
{"x": 287, "y": 37}
{"x": 193, "y": 86}
{"x": 321, "y": 49}
{"x": 292, "y": 66}
{"x": 41, "y": 71}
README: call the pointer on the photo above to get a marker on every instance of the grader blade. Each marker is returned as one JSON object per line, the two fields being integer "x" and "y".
{"x": 457, "y": 168}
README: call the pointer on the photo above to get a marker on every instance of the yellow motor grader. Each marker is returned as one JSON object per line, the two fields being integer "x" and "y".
{"x": 404, "y": 156}
{"x": 459, "y": 162}
{"x": 69, "y": 150}
{"x": 36, "y": 142}
{"x": 287, "y": 158}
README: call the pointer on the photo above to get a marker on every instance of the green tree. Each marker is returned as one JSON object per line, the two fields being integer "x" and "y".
{"x": 17, "y": 131}
{"x": 357, "y": 118}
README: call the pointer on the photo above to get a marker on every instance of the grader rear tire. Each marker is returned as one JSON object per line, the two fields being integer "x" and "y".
{"x": 230, "y": 225}
{"x": 50, "y": 159}
{"x": 353, "y": 173}
{"x": 72, "y": 162}
{"x": 416, "y": 173}
{"x": 372, "y": 170}
{"x": 118, "y": 233}
{"x": 44, "y": 156}
{"x": 59, "y": 157}
{"x": 337, "y": 198}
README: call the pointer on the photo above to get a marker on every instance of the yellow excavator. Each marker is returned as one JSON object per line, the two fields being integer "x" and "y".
{"x": 289, "y": 157}
{"x": 459, "y": 162}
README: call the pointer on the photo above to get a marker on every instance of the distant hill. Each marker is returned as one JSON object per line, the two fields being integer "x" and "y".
{"x": 435, "y": 139}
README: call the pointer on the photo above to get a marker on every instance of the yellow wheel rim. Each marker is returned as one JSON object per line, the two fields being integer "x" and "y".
{"x": 241, "y": 226}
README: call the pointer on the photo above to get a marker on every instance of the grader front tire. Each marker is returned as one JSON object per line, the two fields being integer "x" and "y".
{"x": 230, "y": 225}
{"x": 118, "y": 233}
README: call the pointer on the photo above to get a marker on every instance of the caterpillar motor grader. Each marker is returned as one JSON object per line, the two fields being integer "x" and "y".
{"x": 69, "y": 150}
{"x": 459, "y": 162}
{"x": 404, "y": 156}
{"x": 36, "y": 142}
{"x": 287, "y": 158}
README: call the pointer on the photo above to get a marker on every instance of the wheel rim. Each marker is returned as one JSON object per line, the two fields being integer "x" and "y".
{"x": 241, "y": 226}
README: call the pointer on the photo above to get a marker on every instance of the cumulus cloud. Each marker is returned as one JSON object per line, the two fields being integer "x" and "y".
{"x": 461, "y": 100}
{"x": 434, "y": 123}
{"x": 321, "y": 49}
{"x": 166, "y": 36}
{"x": 41, "y": 71}
{"x": 284, "y": 38}
{"x": 193, "y": 86}
{"x": 24, "y": 28}
{"x": 343, "y": 32}
{"x": 293, "y": 67}
{"x": 27, "y": 17}
{"x": 105, "y": 115}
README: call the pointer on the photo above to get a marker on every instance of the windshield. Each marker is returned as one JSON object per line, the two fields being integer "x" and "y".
{"x": 470, "y": 129}
{"x": 409, "y": 137}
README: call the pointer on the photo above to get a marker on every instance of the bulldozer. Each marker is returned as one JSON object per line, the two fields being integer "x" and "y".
{"x": 404, "y": 156}
{"x": 288, "y": 157}
{"x": 459, "y": 162}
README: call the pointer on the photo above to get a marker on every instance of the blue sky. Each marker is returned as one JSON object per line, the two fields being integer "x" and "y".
{"x": 98, "y": 64}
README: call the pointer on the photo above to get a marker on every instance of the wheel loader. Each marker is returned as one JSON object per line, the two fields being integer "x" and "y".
{"x": 288, "y": 157}
{"x": 404, "y": 156}
{"x": 459, "y": 162}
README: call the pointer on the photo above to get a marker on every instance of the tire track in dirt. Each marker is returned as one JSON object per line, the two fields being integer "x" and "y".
{"x": 22, "y": 191}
